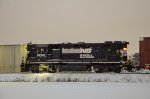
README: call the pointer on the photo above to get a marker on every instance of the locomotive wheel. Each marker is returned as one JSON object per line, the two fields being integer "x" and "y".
{"x": 34, "y": 69}
{"x": 88, "y": 68}
{"x": 99, "y": 70}
{"x": 52, "y": 69}
{"x": 117, "y": 69}
{"x": 58, "y": 69}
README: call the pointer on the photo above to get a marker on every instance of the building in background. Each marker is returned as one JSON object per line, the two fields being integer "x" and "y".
{"x": 145, "y": 52}
{"x": 11, "y": 57}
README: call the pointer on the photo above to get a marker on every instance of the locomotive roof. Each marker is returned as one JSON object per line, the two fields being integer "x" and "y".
{"x": 81, "y": 43}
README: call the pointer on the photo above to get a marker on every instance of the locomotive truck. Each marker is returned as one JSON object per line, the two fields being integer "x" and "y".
{"x": 81, "y": 56}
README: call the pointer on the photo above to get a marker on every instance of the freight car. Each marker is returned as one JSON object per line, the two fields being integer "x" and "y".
{"x": 98, "y": 57}
{"x": 144, "y": 50}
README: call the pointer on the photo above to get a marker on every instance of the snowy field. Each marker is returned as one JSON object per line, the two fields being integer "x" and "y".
{"x": 74, "y": 86}
{"x": 73, "y": 90}
{"x": 76, "y": 77}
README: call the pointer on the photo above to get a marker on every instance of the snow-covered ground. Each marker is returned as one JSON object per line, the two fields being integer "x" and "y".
{"x": 74, "y": 86}
{"x": 76, "y": 77}
{"x": 73, "y": 90}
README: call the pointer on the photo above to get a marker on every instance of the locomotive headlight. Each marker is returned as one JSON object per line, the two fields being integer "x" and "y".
{"x": 125, "y": 49}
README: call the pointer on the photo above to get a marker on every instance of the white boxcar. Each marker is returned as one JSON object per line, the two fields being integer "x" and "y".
{"x": 11, "y": 57}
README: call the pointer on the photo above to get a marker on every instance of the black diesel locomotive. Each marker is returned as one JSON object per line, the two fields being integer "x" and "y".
{"x": 98, "y": 57}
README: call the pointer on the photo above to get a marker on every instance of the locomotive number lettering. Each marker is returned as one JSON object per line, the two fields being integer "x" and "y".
{"x": 41, "y": 55}
{"x": 86, "y": 56}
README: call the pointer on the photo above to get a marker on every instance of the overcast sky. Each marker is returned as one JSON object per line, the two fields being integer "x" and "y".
{"x": 56, "y": 21}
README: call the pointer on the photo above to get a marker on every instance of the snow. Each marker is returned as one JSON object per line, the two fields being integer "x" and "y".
{"x": 73, "y": 90}
{"x": 141, "y": 71}
{"x": 74, "y": 86}
{"x": 76, "y": 77}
